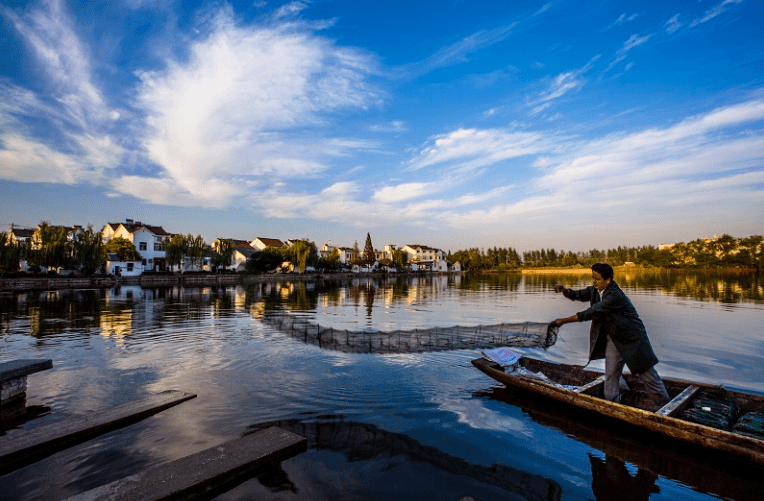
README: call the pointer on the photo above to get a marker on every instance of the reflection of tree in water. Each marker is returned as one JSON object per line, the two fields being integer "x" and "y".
{"x": 500, "y": 282}
{"x": 363, "y": 442}
{"x": 52, "y": 312}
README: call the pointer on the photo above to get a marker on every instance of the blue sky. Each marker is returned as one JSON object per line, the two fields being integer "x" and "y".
{"x": 572, "y": 125}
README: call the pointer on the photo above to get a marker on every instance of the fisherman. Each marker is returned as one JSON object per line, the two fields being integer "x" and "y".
{"x": 618, "y": 335}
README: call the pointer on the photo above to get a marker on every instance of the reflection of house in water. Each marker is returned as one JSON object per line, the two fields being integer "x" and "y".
{"x": 366, "y": 442}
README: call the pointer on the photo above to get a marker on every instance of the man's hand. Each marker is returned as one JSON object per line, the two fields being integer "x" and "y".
{"x": 559, "y": 288}
{"x": 561, "y": 321}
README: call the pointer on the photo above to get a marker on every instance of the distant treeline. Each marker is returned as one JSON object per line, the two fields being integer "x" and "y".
{"x": 703, "y": 252}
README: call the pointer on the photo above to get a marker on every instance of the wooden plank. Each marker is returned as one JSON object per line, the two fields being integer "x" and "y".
{"x": 211, "y": 471}
{"x": 23, "y": 448}
{"x": 679, "y": 402}
{"x": 19, "y": 368}
{"x": 591, "y": 387}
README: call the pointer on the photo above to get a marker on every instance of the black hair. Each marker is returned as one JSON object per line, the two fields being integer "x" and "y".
{"x": 604, "y": 269}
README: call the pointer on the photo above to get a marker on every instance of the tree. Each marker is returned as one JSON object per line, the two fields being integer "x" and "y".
{"x": 302, "y": 253}
{"x": 400, "y": 259}
{"x": 222, "y": 253}
{"x": 175, "y": 249}
{"x": 196, "y": 248}
{"x": 264, "y": 261}
{"x": 368, "y": 252}
{"x": 331, "y": 262}
{"x": 50, "y": 246}
{"x": 10, "y": 254}
{"x": 123, "y": 248}
{"x": 89, "y": 250}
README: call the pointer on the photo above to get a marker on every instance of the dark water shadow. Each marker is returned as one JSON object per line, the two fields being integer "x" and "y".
{"x": 364, "y": 442}
{"x": 650, "y": 454}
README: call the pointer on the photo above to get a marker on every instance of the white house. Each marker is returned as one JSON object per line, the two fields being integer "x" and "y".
{"x": 423, "y": 253}
{"x": 346, "y": 254}
{"x": 242, "y": 251}
{"x": 123, "y": 268}
{"x": 148, "y": 240}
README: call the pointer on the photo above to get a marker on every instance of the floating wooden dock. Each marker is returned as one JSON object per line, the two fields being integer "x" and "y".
{"x": 18, "y": 449}
{"x": 211, "y": 471}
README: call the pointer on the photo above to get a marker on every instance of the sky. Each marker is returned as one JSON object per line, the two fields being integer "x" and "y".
{"x": 571, "y": 125}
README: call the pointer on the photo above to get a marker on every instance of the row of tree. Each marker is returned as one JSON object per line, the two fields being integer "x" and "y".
{"x": 56, "y": 247}
{"x": 721, "y": 251}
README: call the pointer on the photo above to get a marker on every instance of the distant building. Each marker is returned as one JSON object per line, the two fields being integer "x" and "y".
{"x": 261, "y": 243}
{"x": 148, "y": 240}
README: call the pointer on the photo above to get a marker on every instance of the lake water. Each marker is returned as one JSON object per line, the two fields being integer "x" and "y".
{"x": 397, "y": 426}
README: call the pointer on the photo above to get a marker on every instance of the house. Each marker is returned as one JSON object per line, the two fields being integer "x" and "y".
{"x": 347, "y": 255}
{"x": 18, "y": 236}
{"x": 148, "y": 240}
{"x": 423, "y": 253}
{"x": 242, "y": 251}
{"x": 123, "y": 268}
{"x": 385, "y": 254}
{"x": 260, "y": 243}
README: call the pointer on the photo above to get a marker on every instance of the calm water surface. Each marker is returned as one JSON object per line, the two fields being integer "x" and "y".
{"x": 403, "y": 426}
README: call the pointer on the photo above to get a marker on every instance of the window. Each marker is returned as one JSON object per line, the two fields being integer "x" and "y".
{"x": 129, "y": 266}
{"x": 143, "y": 262}
{"x": 142, "y": 246}
{"x": 158, "y": 247}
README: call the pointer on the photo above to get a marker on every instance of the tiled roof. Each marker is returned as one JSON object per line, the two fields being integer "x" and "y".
{"x": 271, "y": 242}
{"x": 22, "y": 232}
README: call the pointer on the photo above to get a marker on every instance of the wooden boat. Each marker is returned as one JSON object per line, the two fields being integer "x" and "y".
{"x": 573, "y": 385}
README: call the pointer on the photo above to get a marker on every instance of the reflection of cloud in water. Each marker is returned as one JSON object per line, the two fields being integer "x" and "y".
{"x": 476, "y": 415}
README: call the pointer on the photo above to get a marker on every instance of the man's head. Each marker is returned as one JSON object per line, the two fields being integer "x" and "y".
{"x": 602, "y": 275}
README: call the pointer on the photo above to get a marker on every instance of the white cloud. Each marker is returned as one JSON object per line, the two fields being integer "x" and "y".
{"x": 457, "y": 52}
{"x": 470, "y": 149}
{"x": 65, "y": 59}
{"x": 632, "y": 42}
{"x": 715, "y": 11}
{"x": 229, "y": 110}
{"x": 561, "y": 85}
{"x": 30, "y": 161}
{"x": 672, "y": 25}
{"x": 405, "y": 191}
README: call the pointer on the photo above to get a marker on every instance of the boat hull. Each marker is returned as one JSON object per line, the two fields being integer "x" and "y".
{"x": 698, "y": 434}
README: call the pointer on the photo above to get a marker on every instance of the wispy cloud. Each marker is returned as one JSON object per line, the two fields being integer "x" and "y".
{"x": 561, "y": 85}
{"x": 457, "y": 52}
{"x": 672, "y": 25}
{"x": 622, "y": 19}
{"x": 467, "y": 150}
{"x": 715, "y": 11}
{"x": 632, "y": 42}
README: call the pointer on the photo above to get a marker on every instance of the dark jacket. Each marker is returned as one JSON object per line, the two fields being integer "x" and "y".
{"x": 613, "y": 315}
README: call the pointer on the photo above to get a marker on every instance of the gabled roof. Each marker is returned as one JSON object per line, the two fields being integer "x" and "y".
{"x": 240, "y": 244}
{"x": 271, "y": 242}
{"x": 22, "y": 232}
{"x": 423, "y": 247}
{"x": 156, "y": 230}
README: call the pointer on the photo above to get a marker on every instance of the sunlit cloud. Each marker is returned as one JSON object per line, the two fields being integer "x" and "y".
{"x": 471, "y": 149}
{"x": 229, "y": 110}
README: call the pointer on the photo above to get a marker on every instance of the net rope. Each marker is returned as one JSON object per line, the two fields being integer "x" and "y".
{"x": 480, "y": 337}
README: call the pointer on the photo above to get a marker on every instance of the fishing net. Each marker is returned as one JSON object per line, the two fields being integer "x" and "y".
{"x": 751, "y": 424}
{"x": 525, "y": 334}
{"x": 712, "y": 408}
